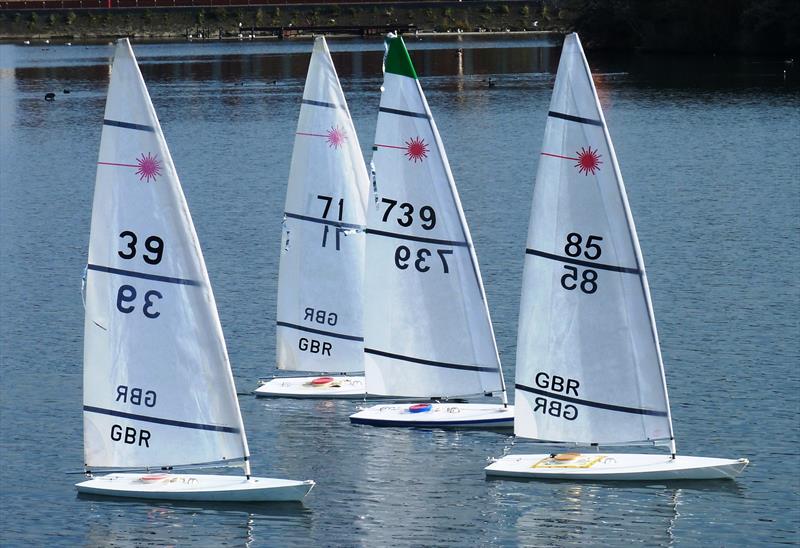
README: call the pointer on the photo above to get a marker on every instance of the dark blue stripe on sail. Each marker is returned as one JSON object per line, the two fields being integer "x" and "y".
{"x": 319, "y": 103}
{"x": 416, "y": 238}
{"x": 598, "y": 405}
{"x": 156, "y": 420}
{"x": 322, "y": 221}
{"x": 432, "y": 363}
{"x": 579, "y": 262}
{"x": 320, "y": 332}
{"x": 133, "y": 274}
{"x": 575, "y": 118}
{"x": 128, "y": 125}
{"x": 404, "y": 112}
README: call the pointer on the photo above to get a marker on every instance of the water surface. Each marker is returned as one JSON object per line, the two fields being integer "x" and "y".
{"x": 708, "y": 148}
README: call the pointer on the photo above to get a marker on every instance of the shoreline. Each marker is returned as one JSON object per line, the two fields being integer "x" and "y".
{"x": 169, "y": 39}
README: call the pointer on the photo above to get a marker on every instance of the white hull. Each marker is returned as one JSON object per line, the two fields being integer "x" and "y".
{"x": 196, "y": 487}
{"x": 343, "y": 387}
{"x": 440, "y": 415}
{"x": 616, "y": 467}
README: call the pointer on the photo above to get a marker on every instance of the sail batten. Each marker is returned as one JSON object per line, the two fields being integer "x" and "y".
{"x": 589, "y": 367}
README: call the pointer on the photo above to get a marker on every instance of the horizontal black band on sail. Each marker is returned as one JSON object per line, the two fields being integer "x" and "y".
{"x": 588, "y": 403}
{"x": 431, "y": 363}
{"x": 319, "y": 103}
{"x": 330, "y": 222}
{"x": 129, "y": 125}
{"x": 320, "y": 332}
{"x": 580, "y": 262}
{"x": 156, "y": 420}
{"x": 403, "y": 112}
{"x": 134, "y": 274}
{"x": 416, "y": 238}
{"x": 572, "y": 118}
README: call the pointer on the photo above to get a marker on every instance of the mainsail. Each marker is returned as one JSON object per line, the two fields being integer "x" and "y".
{"x": 320, "y": 288}
{"x": 158, "y": 389}
{"x": 589, "y": 367}
{"x": 426, "y": 321}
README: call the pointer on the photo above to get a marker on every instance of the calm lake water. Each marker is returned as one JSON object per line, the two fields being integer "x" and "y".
{"x": 708, "y": 147}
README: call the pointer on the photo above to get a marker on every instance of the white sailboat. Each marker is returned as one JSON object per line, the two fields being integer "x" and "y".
{"x": 427, "y": 329}
{"x": 158, "y": 390}
{"x": 589, "y": 367}
{"x": 321, "y": 279}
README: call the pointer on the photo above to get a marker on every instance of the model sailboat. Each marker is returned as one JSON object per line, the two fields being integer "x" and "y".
{"x": 158, "y": 390}
{"x": 427, "y": 328}
{"x": 320, "y": 285}
{"x": 589, "y": 367}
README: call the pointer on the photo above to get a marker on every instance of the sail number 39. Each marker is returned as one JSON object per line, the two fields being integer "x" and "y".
{"x": 585, "y": 279}
{"x": 126, "y": 294}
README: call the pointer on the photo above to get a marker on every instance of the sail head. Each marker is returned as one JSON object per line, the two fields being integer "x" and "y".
{"x": 158, "y": 388}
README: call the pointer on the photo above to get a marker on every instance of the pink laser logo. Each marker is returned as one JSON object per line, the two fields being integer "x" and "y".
{"x": 148, "y": 167}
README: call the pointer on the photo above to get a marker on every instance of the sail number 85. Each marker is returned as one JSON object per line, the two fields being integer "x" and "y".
{"x": 587, "y": 281}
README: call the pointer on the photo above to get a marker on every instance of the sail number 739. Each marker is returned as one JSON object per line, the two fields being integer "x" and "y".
{"x": 585, "y": 279}
{"x": 402, "y": 258}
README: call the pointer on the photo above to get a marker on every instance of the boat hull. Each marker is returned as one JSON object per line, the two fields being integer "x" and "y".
{"x": 616, "y": 467}
{"x": 439, "y": 415}
{"x": 346, "y": 387}
{"x": 341, "y": 387}
{"x": 197, "y": 487}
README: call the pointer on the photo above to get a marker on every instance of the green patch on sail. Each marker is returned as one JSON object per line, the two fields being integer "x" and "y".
{"x": 397, "y": 59}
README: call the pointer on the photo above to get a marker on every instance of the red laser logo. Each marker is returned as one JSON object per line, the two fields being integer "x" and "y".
{"x": 416, "y": 149}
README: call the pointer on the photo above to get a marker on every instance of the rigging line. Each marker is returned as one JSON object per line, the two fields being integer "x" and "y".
{"x": 322, "y": 221}
{"x": 320, "y": 331}
{"x": 129, "y": 125}
{"x": 430, "y": 362}
{"x": 157, "y": 420}
{"x": 589, "y": 403}
{"x": 134, "y": 274}
{"x": 579, "y": 262}
{"x": 416, "y": 238}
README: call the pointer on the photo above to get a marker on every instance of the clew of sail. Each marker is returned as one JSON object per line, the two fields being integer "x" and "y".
{"x": 589, "y": 367}
{"x": 158, "y": 388}
{"x": 320, "y": 285}
{"x": 426, "y": 321}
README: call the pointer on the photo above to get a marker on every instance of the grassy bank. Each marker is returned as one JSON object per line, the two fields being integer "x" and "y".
{"x": 76, "y": 25}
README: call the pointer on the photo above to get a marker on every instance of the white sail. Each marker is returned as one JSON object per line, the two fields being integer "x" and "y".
{"x": 158, "y": 389}
{"x": 320, "y": 288}
{"x": 427, "y": 326}
{"x": 589, "y": 366}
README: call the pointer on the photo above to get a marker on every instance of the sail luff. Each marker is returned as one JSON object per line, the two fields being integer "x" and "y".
{"x": 634, "y": 242}
{"x": 466, "y": 234}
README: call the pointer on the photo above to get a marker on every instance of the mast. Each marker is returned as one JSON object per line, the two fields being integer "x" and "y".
{"x": 634, "y": 240}
{"x": 465, "y": 233}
